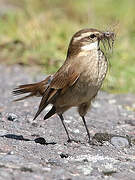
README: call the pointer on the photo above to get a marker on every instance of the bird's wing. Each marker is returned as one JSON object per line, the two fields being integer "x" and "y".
{"x": 64, "y": 77}
{"x": 35, "y": 89}
{"x": 61, "y": 81}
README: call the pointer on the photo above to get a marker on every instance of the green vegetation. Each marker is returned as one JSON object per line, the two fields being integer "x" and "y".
{"x": 38, "y": 33}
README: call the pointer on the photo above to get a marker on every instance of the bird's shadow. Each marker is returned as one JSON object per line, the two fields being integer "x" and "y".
{"x": 39, "y": 140}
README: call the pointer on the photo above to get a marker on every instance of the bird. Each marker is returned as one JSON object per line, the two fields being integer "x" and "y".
{"x": 77, "y": 81}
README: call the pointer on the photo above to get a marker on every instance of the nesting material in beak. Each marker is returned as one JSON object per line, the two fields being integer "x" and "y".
{"x": 108, "y": 40}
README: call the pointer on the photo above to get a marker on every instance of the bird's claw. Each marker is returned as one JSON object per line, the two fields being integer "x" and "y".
{"x": 73, "y": 140}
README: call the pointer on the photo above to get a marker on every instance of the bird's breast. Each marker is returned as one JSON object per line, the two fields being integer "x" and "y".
{"x": 94, "y": 69}
{"x": 91, "y": 78}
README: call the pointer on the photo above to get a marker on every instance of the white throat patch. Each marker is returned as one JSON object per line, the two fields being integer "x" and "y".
{"x": 90, "y": 46}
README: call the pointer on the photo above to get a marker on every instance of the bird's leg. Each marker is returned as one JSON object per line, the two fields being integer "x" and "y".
{"x": 89, "y": 141}
{"x": 62, "y": 120}
{"x": 69, "y": 139}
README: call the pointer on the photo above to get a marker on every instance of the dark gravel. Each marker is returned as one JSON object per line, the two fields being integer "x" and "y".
{"x": 37, "y": 150}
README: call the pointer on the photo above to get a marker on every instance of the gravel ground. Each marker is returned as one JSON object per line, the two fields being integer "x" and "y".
{"x": 37, "y": 150}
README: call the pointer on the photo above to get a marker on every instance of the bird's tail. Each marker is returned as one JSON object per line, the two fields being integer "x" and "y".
{"x": 35, "y": 89}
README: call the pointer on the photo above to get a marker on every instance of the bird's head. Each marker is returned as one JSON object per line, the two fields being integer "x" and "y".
{"x": 89, "y": 39}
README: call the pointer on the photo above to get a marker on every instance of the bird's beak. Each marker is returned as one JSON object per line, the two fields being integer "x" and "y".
{"x": 107, "y": 37}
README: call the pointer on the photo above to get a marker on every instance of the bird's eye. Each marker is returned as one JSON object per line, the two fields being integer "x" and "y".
{"x": 92, "y": 36}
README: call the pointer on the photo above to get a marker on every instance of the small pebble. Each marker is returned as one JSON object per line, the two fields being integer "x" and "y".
{"x": 67, "y": 121}
{"x": 109, "y": 172}
{"x": 96, "y": 104}
{"x": 12, "y": 117}
{"x": 0, "y": 115}
{"x": 54, "y": 162}
{"x": 29, "y": 120}
{"x": 76, "y": 131}
{"x": 26, "y": 169}
{"x": 85, "y": 160}
{"x": 26, "y": 104}
{"x": 3, "y": 132}
{"x": 34, "y": 124}
{"x": 133, "y": 141}
{"x": 62, "y": 155}
{"x": 112, "y": 101}
{"x": 131, "y": 122}
{"x": 120, "y": 142}
{"x": 46, "y": 169}
{"x": 10, "y": 153}
{"x": 101, "y": 137}
{"x": 35, "y": 135}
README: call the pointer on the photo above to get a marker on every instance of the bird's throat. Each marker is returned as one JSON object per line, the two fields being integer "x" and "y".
{"x": 89, "y": 47}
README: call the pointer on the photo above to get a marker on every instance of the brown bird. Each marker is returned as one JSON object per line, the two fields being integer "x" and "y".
{"x": 77, "y": 81}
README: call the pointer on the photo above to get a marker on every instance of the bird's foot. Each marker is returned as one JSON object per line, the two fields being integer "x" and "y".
{"x": 73, "y": 140}
{"x": 90, "y": 142}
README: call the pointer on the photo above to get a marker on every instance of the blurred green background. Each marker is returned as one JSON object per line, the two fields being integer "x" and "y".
{"x": 37, "y": 32}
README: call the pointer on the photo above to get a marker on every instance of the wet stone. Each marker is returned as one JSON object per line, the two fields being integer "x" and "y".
{"x": 13, "y": 136}
{"x": 40, "y": 140}
{"x": 63, "y": 155}
{"x": 12, "y": 117}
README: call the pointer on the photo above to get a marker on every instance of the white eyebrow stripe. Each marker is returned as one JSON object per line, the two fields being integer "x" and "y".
{"x": 82, "y": 36}
{"x": 90, "y": 46}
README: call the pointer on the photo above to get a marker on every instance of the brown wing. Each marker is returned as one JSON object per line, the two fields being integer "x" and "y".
{"x": 64, "y": 78}
{"x": 35, "y": 89}
{"x": 61, "y": 81}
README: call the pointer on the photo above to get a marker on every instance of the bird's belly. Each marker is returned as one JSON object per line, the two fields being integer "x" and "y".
{"x": 76, "y": 95}
{"x": 85, "y": 91}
